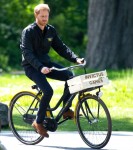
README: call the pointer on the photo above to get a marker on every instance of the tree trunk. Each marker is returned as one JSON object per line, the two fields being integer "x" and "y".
{"x": 110, "y": 32}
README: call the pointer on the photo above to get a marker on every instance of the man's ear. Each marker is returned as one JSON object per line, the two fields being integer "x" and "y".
{"x": 35, "y": 14}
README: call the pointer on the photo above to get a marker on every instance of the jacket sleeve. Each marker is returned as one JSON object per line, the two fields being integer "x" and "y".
{"x": 27, "y": 49}
{"x": 62, "y": 49}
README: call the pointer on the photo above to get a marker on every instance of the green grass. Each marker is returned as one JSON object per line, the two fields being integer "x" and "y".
{"x": 118, "y": 96}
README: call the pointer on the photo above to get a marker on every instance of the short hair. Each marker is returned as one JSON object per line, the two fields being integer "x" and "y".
{"x": 41, "y": 7}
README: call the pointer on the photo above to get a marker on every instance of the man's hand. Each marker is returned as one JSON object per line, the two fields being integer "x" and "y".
{"x": 80, "y": 60}
{"x": 45, "y": 70}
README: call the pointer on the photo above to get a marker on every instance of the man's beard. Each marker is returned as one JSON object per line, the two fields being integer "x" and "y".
{"x": 42, "y": 23}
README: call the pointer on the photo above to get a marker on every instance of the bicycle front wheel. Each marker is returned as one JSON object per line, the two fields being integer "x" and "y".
{"x": 22, "y": 112}
{"x": 93, "y": 121}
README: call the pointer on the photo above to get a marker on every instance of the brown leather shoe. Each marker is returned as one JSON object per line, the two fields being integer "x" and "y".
{"x": 68, "y": 114}
{"x": 40, "y": 129}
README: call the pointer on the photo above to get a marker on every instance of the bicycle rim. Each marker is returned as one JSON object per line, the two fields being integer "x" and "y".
{"x": 93, "y": 121}
{"x": 20, "y": 119}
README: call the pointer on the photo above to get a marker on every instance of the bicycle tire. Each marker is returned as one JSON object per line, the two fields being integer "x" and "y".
{"x": 20, "y": 121}
{"x": 93, "y": 121}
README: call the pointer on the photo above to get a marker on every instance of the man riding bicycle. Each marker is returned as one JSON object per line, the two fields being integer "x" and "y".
{"x": 36, "y": 41}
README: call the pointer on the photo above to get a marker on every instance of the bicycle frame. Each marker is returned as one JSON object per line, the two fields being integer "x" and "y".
{"x": 49, "y": 109}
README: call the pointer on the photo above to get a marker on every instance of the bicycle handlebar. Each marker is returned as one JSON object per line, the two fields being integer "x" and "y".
{"x": 70, "y": 67}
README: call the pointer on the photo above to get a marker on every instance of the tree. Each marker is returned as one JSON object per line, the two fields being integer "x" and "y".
{"x": 14, "y": 16}
{"x": 110, "y": 32}
{"x": 70, "y": 19}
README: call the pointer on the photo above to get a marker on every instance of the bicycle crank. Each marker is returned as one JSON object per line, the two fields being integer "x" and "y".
{"x": 50, "y": 124}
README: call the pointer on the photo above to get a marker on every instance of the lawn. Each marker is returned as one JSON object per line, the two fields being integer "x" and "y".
{"x": 117, "y": 96}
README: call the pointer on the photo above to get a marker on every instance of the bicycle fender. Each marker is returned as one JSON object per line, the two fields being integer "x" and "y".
{"x": 16, "y": 95}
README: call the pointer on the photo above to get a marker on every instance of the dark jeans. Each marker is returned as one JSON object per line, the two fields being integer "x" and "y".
{"x": 41, "y": 80}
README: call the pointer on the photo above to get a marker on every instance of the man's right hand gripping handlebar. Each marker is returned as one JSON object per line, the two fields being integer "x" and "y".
{"x": 45, "y": 70}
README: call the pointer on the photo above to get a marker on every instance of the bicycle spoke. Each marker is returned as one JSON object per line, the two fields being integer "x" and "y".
{"x": 18, "y": 109}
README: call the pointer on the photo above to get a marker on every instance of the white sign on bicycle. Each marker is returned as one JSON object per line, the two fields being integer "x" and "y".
{"x": 86, "y": 81}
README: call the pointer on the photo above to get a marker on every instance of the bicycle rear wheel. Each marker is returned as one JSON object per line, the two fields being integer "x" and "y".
{"x": 22, "y": 112}
{"x": 93, "y": 121}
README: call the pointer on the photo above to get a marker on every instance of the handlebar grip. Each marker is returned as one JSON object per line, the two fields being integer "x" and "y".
{"x": 82, "y": 60}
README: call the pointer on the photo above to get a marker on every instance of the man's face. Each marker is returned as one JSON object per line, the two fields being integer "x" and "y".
{"x": 42, "y": 18}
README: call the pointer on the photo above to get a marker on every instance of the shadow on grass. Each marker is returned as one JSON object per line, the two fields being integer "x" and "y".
{"x": 115, "y": 74}
{"x": 124, "y": 124}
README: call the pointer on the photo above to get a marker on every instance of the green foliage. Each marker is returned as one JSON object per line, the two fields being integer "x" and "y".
{"x": 3, "y": 58}
{"x": 71, "y": 22}
{"x": 70, "y": 18}
{"x": 13, "y": 14}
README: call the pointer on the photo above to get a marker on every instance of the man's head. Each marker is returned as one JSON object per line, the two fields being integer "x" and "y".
{"x": 41, "y": 13}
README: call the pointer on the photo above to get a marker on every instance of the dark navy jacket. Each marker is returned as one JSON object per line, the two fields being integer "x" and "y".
{"x": 35, "y": 46}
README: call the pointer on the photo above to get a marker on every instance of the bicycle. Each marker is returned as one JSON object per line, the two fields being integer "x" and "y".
{"x": 91, "y": 115}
